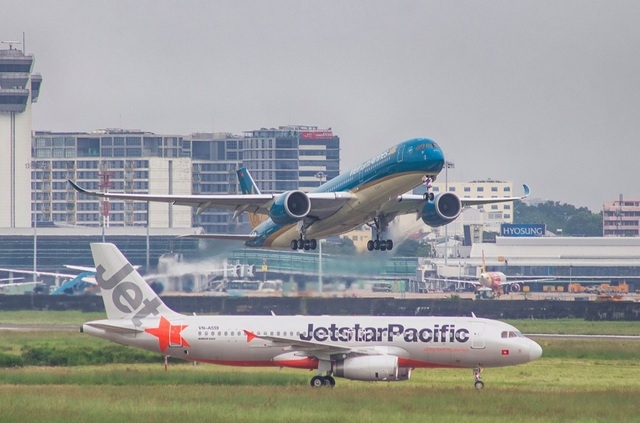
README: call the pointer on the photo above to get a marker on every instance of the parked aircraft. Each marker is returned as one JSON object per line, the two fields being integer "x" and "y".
{"x": 353, "y": 347}
{"x": 373, "y": 193}
{"x": 72, "y": 285}
{"x": 496, "y": 281}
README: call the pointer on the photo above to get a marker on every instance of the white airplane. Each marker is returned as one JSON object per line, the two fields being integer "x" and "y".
{"x": 373, "y": 193}
{"x": 496, "y": 281}
{"x": 353, "y": 347}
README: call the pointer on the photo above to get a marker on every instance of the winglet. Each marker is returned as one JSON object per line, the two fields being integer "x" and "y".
{"x": 250, "y": 335}
{"x": 77, "y": 187}
{"x": 527, "y": 190}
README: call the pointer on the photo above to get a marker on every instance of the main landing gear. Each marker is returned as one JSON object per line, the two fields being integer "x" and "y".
{"x": 324, "y": 367}
{"x": 479, "y": 384}
{"x": 381, "y": 245}
{"x": 320, "y": 381}
{"x": 380, "y": 224}
{"x": 304, "y": 244}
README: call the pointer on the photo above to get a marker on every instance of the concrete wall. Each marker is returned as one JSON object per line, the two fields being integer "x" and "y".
{"x": 502, "y": 309}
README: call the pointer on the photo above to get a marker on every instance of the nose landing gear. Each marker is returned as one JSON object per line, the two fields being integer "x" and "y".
{"x": 478, "y": 384}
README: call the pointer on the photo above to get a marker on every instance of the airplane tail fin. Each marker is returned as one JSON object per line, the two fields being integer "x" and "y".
{"x": 248, "y": 186}
{"x": 484, "y": 266}
{"x": 125, "y": 293}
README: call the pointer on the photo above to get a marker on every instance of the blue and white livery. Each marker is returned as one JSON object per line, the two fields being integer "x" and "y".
{"x": 372, "y": 193}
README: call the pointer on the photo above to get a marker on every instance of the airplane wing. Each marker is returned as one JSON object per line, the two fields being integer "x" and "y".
{"x": 323, "y": 204}
{"x": 37, "y": 273}
{"x": 312, "y": 349}
{"x": 414, "y": 203}
{"x": 478, "y": 201}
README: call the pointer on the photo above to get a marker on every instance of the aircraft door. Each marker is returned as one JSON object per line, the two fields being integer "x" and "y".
{"x": 400, "y": 155}
{"x": 477, "y": 335}
{"x": 175, "y": 335}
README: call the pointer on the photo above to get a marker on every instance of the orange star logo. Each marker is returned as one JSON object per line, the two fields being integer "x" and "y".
{"x": 168, "y": 334}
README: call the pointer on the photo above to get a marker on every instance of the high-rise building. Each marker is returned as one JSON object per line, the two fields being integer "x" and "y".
{"x": 141, "y": 162}
{"x": 621, "y": 218}
{"x": 113, "y": 159}
{"x": 19, "y": 88}
{"x": 291, "y": 157}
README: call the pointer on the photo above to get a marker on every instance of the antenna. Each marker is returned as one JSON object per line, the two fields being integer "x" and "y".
{"x": 11, "y": 43}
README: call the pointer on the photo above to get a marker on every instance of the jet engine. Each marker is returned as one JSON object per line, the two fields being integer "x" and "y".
{"x": 290, "y": 207}
{"x": 444, "y": 208}
{"x": 371, "y": 368}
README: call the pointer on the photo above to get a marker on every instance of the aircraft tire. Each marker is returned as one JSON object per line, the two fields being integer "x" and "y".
{"x": 389, "y": 244}
{"x": 478, "y": 384}
{"x": 317, "y": 381}
{"x": 313, "y": 244}
{"x": 370, "y": 245}
{"x": 329, "y": 381}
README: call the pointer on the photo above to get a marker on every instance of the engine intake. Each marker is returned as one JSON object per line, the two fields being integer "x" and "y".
{"x": 290, "y": 207}
{"x": 443, "y": 209}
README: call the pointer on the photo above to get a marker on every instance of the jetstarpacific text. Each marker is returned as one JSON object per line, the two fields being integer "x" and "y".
{"x": 438, "y": 333}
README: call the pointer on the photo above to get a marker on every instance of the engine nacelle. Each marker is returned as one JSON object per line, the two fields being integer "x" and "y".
{"x": 371, "y": 368}
{"x": 444, "y": 208}
{"x": 290, "y": 207}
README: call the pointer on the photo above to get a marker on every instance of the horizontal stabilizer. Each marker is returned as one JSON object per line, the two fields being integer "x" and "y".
{"x": 113, "y": 328}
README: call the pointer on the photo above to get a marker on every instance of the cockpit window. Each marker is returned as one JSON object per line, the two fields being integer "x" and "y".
{"x": 511, "y": 334}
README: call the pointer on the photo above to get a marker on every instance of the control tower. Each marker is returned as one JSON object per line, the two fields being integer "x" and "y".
{"x": 19, "y": 88}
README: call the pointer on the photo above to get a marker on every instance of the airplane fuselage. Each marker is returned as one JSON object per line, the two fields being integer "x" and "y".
{"x": 426, "y": 342}
{"x": 375, "y": 183}
{"x": 493, "y": 280}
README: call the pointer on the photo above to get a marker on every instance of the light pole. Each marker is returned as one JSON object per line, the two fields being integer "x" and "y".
{"x": 321, "y": 177}
{"x": 447, "y": 165}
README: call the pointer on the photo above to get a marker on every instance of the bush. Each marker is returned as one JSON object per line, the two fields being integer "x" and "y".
{"x": 48, "y": 355}
{"x": 10, "y": 360}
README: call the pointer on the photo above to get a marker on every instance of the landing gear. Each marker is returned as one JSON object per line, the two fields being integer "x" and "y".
{"x": 320, "y": 381}
{"x": 478, "y": 384}
{"x": 324, "y": 367}
{"x": 380, "y": 224}
{"x": 381, "y": 245}
{"x": 304, "y": 244}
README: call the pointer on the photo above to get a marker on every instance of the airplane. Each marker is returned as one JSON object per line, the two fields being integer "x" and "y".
{"x": 372, "y": 193}
{"x": 366, "y": 348}
{"x": 73, "y": 284}
{"x": 491, "y": 284}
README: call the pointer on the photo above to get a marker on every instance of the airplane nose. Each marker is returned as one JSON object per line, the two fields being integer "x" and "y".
{"x": 535, "y": 351}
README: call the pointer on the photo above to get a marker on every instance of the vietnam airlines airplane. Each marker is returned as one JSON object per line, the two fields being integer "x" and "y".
{"x": 373, "y": 193}
{"x": 353, "y": 347}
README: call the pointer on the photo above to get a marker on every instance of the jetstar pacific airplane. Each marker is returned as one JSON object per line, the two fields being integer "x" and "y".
{"x": 373, "y": 193}
{"x": 353, "y": 347}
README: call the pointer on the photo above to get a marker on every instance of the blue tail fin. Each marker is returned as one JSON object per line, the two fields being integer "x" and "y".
{"x": 247, "y": 184}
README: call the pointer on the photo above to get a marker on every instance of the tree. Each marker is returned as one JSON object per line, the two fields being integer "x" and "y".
{"x": 571, "y": 220}
{"x": 412, "y": 248}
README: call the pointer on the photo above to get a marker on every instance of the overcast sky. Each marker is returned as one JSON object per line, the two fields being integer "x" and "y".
{"x": 542, "y": 92}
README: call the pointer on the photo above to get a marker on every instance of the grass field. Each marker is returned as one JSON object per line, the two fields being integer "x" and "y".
{"x": 575, "y": 381}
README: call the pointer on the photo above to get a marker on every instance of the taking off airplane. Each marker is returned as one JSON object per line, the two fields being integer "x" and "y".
{"x": 373, "y": 193}
{"x": 353, "y": 347}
